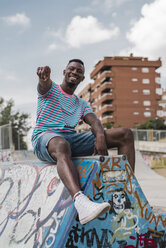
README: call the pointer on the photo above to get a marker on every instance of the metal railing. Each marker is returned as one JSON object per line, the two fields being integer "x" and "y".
{"x": 5, "y": 136}
{"x": 149, "y": 135}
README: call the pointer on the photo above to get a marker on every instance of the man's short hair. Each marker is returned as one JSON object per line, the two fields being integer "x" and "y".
{"x": 76, "y": 60}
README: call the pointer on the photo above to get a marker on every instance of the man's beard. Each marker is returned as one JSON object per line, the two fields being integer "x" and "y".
{"x": 72, "y": 84}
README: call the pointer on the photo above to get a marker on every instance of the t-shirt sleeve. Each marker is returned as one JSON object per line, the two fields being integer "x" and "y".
{"x": 87, "y": 109}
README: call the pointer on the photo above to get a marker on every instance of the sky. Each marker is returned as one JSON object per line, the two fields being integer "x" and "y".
{"x": 38, "y": 32}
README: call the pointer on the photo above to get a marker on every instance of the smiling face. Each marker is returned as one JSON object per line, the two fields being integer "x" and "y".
{"x": 73, "y": 74}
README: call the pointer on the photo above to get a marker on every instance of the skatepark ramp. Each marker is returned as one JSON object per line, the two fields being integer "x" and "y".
{"x": 37, "y": 211}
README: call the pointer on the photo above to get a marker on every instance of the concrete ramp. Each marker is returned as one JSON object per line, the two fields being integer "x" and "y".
{"x": 152, "y": 184}
{"x": 37, "y": 211}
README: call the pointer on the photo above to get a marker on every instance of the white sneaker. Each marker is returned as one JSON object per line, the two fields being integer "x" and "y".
{"x": 89, "y": 210}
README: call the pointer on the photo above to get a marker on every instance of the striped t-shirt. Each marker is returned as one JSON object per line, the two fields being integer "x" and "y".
{"x": 58, "y": 112}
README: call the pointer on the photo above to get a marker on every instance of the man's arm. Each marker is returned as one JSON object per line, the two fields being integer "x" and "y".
{"x": 98, "y": 130}
{"x": 45, "y": 82}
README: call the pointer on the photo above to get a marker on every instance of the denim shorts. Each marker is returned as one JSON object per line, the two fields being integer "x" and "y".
{"x": 81, "y": 144}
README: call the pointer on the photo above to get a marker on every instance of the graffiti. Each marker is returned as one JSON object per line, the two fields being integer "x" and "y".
{"x": 33, "y": 204}
{"x": 21, "y": 203}
{"x": 5, "y": 156}
{"x": 124, "y": 219}
{"x": 154, "y": 160}
{"x": 143, "y": 241}
{"x": 147, "y": 213}
{"x": 37, "y": 210}
{"x": 88, "y": 238}
{"x": 124, "y": 226}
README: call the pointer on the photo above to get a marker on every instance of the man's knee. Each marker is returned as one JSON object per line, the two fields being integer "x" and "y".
{"x": 58, "y": 146}
{"x": 127, "y": 135}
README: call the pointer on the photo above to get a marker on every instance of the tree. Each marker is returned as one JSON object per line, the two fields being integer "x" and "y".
{"x": 156, "y": 124}
{"x": 108, "y": 125}
{"x": 19, "y": 123}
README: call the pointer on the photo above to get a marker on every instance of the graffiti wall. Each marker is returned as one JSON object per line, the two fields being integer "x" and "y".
{"x": 37, "y": 211}
{"x": 5, "y": 155}
{"x": 130, "y": 223}
{"x": 35, "y": 208}
{"x": 155, "y": 160}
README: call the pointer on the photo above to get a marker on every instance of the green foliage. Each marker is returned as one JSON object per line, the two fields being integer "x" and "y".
{"x": 19, "y": 122}
{"x": 156, "y": 124}
{"x": 108, "y": 125}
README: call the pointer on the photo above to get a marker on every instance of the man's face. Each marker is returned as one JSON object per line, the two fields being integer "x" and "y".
{"x": 74, "y": 74}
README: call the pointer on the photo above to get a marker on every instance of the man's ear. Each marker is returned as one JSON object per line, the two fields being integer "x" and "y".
{"x": 64, "y": 71}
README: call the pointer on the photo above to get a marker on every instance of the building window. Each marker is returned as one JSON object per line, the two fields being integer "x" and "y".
{"x": 159, "y": 91}
{"x": 147, "y": 114}
{"x": 146, "y": 92}
{"x": 145, "y": 81}
{"x": 135, "y": 91}
{"x": 135, "y": 102}
{"x": 135, "y": 113}
{"x": 134, "y": 79}
{"x": 134, "y": 68}
{"x": 157, "y": 80}
{"x": 147, "y": 103}
{"x": 145, "y": 69}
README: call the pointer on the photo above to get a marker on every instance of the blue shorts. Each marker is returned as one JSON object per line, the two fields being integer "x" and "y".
{"x": 81, "y": 144}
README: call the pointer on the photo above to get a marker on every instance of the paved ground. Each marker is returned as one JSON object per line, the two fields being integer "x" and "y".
{"x": 152, "y": 184}
{"x": 161, "y": 171}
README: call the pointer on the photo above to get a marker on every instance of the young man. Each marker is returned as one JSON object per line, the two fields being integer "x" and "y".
{"x": 55, "y": 139}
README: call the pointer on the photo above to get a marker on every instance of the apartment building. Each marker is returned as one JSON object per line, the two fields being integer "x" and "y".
{"x": 125, "y": 90}
{"x": 162, "y": 103}
{"x": 86, "y": 95}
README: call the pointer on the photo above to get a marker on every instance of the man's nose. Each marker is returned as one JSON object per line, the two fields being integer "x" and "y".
{"x": 75, "y": 71}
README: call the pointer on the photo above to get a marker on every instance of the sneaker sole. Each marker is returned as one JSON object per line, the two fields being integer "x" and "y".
{"x": 100, "y": 211}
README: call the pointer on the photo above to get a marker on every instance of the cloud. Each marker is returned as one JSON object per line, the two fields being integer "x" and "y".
{"x": 87, "y": 30}
{"x": 52, "y": 47}
{"x": 103, "y": 6}
{"x": 107, "y": 5}
{"x": 19, "y": 19}
{"x": 148, "y": 34}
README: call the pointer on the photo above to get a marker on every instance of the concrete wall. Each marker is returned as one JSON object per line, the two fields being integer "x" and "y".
{"x": 150, "y": 146}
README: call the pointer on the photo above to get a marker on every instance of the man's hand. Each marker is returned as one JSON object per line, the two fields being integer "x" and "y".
{"x": 100, "y": 147}
{"x": 45, "y": 82}
{"x": 44, "y": 73}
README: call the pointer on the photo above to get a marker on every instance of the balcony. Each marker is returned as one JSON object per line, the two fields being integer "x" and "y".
{"x": 105, "y": 72}
{"x": 158, "y": 97}
{"x": 106, "y": 109}
{"x": 107, "y": 113}
{"x": 107, "y": 85}
{"x": 105, "y": 97}
{"x": 106, "y": 94}
{"x": 107, "y": 119}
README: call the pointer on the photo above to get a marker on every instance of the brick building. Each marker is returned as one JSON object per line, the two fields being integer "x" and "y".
{"x": 125, "y": 90}
{"x": 162, "y": 103}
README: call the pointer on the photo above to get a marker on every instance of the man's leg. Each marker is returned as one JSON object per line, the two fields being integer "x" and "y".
{"x": 60, "y": 151}
{"x": 123, "y": 139}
